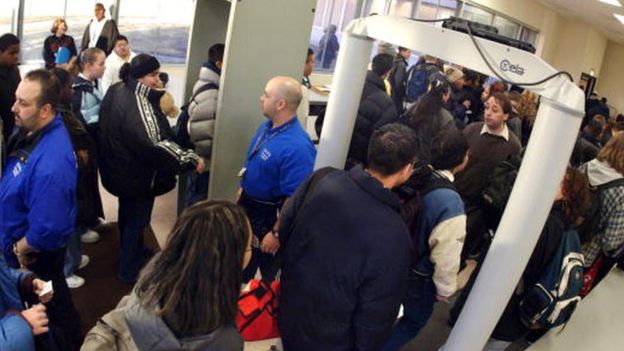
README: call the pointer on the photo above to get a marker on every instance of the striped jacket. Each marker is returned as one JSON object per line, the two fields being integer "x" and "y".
{"x": 136, "y": 151}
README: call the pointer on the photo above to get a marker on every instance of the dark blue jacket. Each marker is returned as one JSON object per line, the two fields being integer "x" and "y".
{"x": 345, "y": 264}
{"x": 15, "y": 332}
{"x": 38, "y": 193}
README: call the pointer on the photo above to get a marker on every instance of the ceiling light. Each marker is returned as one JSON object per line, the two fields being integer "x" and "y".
{"x": 612, "y": 2}
{"x": 619, "y": 17}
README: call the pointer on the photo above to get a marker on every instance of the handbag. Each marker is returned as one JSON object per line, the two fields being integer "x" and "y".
{"x": 257, "y": 310}
{"x": 589, "y": 278}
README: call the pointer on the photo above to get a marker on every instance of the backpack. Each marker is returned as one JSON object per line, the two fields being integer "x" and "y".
{"x": 418, "y": 80}
{"x": 498, "y": 190}
{"x": 591, "y": 218}
{"x": 182, "y": 136}
{"x": 421, "y": 182}
{"x": 552, "y": 299}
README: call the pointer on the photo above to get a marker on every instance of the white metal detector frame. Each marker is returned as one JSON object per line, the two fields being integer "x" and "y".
{"x": 553, "y": 136}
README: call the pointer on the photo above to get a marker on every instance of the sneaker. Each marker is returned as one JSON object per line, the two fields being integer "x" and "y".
{"x": 74, "y": 281}
{"x": 90, "y": 236}
{"x": 100, "y": 224}
{"x": 84, "y": 261}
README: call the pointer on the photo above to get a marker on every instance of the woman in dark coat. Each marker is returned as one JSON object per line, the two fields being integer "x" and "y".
{"x": 54, "y": 42}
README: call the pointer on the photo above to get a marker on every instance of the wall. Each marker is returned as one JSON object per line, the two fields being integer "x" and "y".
{"x": 612, "y": 76}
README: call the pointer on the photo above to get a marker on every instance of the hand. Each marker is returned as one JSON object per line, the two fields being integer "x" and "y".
{"x": 201, "y": 167}
{"x": 37, "y": 287}
{"x": 24, "y": 258}
{"x": 37, "y": 318}
{"x": 442, "y": 298}
{"x": 270, "y": 244}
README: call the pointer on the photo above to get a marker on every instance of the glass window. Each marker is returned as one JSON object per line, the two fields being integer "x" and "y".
{"x": 528, "y": 36}
{"x": 38, "y": 18}
{"x": 476, "y": 14}
{"x": 7, "y": 12}
{"x": 437, "y": 9}
{"x": 506, "y": 27}
{"x": 401, "y": 8}
{"x": 78, "y": 15}
{"x": 330, "y": 19}
{"x": 376, "y": 6}
{"x": 159, "y": 28}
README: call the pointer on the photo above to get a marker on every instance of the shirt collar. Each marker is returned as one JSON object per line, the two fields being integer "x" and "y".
{"x": 446, "y": 174}
{"x": 503, "y": 134}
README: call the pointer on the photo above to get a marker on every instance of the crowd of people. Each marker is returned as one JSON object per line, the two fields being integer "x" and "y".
{"x": 349, "y": 246}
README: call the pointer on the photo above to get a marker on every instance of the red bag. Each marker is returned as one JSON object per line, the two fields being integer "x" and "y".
{"x": 257, "y": 310}
{"x": 589, "y": 278}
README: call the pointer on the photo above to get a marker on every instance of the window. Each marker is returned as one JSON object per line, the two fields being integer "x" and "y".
{"x": 401, "y": 8}
{"x": 528, "y": 36}
{"x": 437, "y": 9}
{"x": 78, "y": 15}
{"x": 476, "y": 14}
{"x": 38, "y": 18}
{"x": 157, "y": 27}
{"x": 506, "y": 27}
{"x": 330, "y": 19}
{"x": 7, "y": 12}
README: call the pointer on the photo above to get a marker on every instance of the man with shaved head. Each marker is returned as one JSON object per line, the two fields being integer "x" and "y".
{"x": 280, "y": 156}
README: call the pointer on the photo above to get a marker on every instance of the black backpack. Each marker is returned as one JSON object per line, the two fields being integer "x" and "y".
{"x": 591, "y": 218}
{"x": 498, "y": 190}
{"x": 552, "y": 299}
{"x": 182, "y": 136}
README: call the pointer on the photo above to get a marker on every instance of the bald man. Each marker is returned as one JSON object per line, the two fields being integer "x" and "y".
{"x": 280, "y": 156}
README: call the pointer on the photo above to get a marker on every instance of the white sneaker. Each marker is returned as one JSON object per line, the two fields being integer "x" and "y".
{"x": 84, "y": 261}
{"x": 74, "y": 281}
{"x": 90, "y": 236}
{"x": 100, "y": 223}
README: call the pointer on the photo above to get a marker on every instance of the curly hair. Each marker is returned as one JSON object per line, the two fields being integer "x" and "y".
{"x": 575, "y": 191}
{"x": 527, "y": 106}
{"x": 57, "y": 23}
{"x": 613, "y": 152}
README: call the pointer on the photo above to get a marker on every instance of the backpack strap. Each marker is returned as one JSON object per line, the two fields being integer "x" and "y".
{"x": 201, "y": 89}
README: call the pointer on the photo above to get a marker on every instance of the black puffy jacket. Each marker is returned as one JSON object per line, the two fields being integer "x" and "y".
{"x": 375, "y": 105}
{"x": 136, "y": 151}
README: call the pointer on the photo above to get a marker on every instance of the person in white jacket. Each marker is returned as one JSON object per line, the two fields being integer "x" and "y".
{"x": 121, "y": 54}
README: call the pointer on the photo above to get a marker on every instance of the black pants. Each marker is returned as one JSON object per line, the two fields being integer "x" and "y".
{"x": 64, "y": 318}
{"x": 262, "y": 216}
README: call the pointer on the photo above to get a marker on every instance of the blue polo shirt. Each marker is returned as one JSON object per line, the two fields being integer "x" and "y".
{"x": 277, "y": 161}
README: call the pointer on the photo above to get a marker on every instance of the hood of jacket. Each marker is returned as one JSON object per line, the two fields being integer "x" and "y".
{"x": 150, "y": 333}
{"x": 599, "y": 172}
{"x": 372, "y": 79}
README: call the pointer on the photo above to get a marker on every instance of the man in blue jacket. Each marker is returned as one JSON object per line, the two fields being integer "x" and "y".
{"x": 38, "y": 197}
{"x": 347, "y": 251}
{"x": 280, "y": 157}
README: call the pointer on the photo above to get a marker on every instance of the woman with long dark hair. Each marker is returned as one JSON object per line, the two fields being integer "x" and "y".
{"x": 428, "y": 116}
{"x": 186, "y": 297}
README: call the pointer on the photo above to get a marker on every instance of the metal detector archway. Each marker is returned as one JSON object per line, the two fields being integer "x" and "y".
{"x": 558, "y": 120}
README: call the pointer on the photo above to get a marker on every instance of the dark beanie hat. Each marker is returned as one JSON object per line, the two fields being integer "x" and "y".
{"x": 142, "y": 65}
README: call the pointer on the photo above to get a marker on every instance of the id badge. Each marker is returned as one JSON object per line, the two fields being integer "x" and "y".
{"x": 242, "y": 172}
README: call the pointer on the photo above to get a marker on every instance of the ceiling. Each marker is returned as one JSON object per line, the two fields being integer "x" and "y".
{"x": 596, "y": 13}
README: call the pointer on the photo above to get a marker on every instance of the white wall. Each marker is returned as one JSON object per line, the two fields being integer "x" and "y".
{"x": 612, "y": 76}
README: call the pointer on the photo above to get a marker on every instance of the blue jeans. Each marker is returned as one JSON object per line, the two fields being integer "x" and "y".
{"x": 73, "y": 253}
{"x": 196, "y": 188}
{"x": 134, "y": 216}
{"x": 417, "y": 308}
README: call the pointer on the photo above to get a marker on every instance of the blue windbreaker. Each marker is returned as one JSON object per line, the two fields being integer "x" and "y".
{"x": 38, "y": 194}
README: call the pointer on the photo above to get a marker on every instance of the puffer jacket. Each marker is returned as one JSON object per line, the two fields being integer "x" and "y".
{"x": 202, "y": 112}
{"x": 375, "y": 105}
{"x": 86, "y": 101}
{"x": 136, "y": 151}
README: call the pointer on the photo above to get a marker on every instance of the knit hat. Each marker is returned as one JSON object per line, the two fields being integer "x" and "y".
{"x": 453, "y": 74}
{"x": 62, "y": 56}
{"x": 142, "y": 65}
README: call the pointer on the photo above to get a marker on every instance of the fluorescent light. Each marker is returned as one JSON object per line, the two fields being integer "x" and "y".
{"x": 619, "y": 17}
{"x": 612, "y": 2}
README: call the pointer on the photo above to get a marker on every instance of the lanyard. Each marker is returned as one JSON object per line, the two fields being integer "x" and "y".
{"x": 263, "y": 139}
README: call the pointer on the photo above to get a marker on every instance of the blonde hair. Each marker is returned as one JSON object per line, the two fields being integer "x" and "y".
{"x": 57, "y": 23}
{"x": 613, "y": 153}
{"x": 527, "y": 106}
